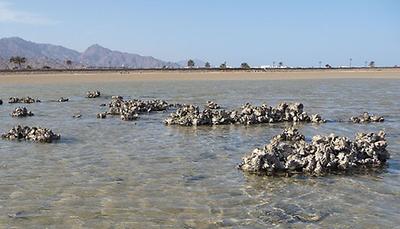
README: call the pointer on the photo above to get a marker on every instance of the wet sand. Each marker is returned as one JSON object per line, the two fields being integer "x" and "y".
{"x": 77, "y": 77}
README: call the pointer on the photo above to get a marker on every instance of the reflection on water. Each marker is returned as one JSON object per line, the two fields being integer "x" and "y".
{"x": 143, "y": 174}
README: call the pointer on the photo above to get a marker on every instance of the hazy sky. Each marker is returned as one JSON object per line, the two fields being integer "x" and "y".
{"x": 298, "y": 33}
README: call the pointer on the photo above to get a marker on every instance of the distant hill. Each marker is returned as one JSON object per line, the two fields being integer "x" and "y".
{"x": 55, "y": 56}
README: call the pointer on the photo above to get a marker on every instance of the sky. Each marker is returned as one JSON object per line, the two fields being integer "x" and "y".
{"x": 259, "y": 32}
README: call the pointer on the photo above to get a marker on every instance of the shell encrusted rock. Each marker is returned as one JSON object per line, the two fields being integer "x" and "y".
{"x": 289, "y": 153}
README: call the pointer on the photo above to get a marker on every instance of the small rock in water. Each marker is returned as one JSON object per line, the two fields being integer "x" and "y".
{"x": 102, "y": 115}
{"x": 1, "y": 102}
{"x": 129, "y": 116}
{"x": 289, "y": 153}
{"x": 366, "y": 117}
{"x": 76, "y": 116}
{"x": 62, "y": 100}
{"x": 23, "y": 100}
{"x": 212, "y": 105}
{"x": 35, "y": 134}
{"x": 93, "y": 94}
{"x": 21, "y": 112}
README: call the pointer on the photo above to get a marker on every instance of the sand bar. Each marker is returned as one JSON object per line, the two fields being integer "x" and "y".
{"x": 87, "y": 77}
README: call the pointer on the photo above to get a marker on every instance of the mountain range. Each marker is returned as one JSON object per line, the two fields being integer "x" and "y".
{"x": 55, "y": 56}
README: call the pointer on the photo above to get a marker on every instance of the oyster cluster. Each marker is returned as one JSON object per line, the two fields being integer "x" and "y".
{"x": 35, "y": 134}
{"x": 92, "y": 94}
{"x": 21, "y": 112}
{"x": 289, "y": 153}
{"x": 129, "y": 110}
{"x": 190, "y": 115}
{"x": 366, "y": 117}
{"x": 212, "y": 105}
{"x": 23, "y": 100}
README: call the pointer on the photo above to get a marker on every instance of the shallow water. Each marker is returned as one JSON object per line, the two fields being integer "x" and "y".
{"x": 144, "y": 174}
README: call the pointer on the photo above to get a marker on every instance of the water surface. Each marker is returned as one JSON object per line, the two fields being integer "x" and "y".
{"x": 144, "y": 174}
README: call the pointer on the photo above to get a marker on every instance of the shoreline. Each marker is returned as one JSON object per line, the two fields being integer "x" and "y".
{"x": 95, "y": 76}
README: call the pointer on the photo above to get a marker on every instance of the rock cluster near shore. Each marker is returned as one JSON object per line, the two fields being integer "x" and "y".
{"x": 93, "y": 94}
{"x": 23, "y": 100}
{"x": 35, "y": 134}
{"x": 21, "y": 112}
{"x": 366, "y": 117}
{"x": 289, "y": 153}
{"x": 129, "y": 110}
{"x": 190, "y": 115}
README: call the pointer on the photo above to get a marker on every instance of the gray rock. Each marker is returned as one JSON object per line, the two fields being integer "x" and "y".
{"x": 190, "y": 115}
{"x": 23, "y": 100}
{"x": 102, "y": 115}
{"x": 366, "y": 118}
{"x": 35, "y": 134}
{"x": 21, "y": 112}
{"x": 92, "y": 94}
{"x": 62, "y": 100}
{"x": 289, "y": 153}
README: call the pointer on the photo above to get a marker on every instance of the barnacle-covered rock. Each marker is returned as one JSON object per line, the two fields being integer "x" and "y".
{"x": 289, "y": 153}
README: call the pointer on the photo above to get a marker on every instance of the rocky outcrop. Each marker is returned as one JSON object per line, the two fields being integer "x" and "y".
{"x": 289, "y": 153}
{"x": 366, "y": 117}
{"x": 129, "y": 110}
{"x": 23, "y": 100}
{"x": 35, "y": 134}
{"x": 21, "y": 112}
{"x": 190, "y": 115}
{"x": 92, "y": 94}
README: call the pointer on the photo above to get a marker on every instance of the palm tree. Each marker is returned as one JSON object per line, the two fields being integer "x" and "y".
{"x": 371, "y": 64}
{"x": 245, "y": 66}
{"x": 18, "y": 60}
{"x": 280, "y": 64}
{"x": 190, "y": 63}
{"x": 207, "y": 65}
{"x": 223, "y": 65}
{"x": 350, "y": 60}
{"x": 320, "y": 64}
{"x": 69, "y": 63}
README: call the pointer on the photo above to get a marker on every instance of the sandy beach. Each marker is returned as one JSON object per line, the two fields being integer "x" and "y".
{"x": 77, "y": 77}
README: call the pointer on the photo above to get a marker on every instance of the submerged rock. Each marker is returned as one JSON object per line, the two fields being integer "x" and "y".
{"x": 289, "y": 153}
{"x": 35, "y": 134}
{"x": 23, "y": 100}
{"x": 190, "y": 115}
{"x": 93, "y": 94}
{"x": 366, "y": 117}
{"x": 21, "y": 112}
{"x": 62, "y": 100}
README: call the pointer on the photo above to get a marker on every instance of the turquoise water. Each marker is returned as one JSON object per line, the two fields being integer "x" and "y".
{"x": 143, "y": 174}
